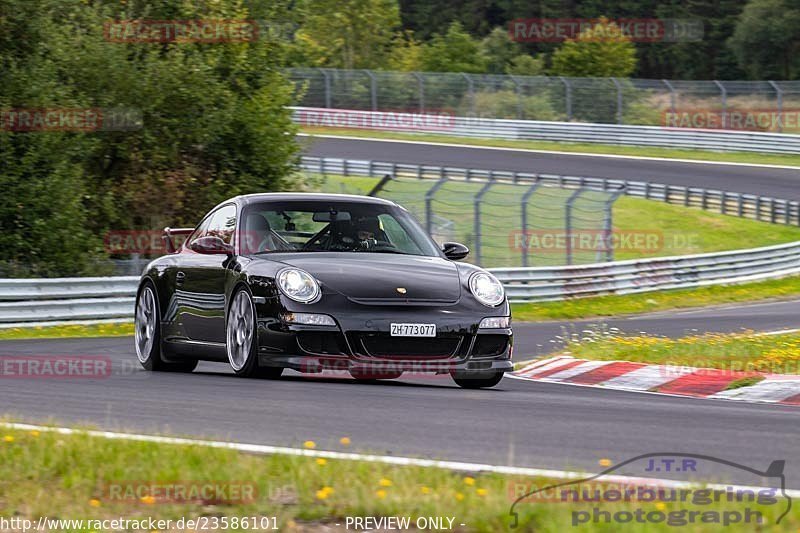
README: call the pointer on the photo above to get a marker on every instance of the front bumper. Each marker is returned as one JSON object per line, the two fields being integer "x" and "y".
{"x": 362, "y": 343}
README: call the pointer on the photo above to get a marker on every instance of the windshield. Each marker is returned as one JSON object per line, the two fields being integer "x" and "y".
{"x": 332, "y": 226}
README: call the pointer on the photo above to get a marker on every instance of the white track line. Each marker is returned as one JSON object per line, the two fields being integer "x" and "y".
{"x": 555, "y": 152}
{"x": 263, "y": 449}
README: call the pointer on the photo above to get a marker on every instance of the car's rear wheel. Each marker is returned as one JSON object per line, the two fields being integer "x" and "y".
{"x": 241, "y": 339}
{"x": 147, "y": 335}
{"x": 477, "y": 380}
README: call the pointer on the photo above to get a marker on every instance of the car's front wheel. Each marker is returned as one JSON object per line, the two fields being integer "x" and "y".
{"x": 147, "y": 334}
{"x": 477, "y": 380}
{"x": 241, "y": 340}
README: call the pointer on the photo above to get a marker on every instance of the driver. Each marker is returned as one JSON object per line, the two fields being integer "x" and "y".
{"x": 365, "y": 230}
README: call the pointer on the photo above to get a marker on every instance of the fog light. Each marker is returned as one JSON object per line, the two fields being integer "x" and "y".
{"x": 495, "y": 322}
{"x": 309, "y": 319}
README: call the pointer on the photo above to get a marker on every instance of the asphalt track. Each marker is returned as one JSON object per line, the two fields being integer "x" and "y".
{"x": 518, "y": 423}
{"x": 776, "y": 182}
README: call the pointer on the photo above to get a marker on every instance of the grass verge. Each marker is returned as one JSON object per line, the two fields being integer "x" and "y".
{"x": 738, "y": 352}
{"x": 589, "y": 148}
{"x": 630, "y": 304}
{"x": 80, "y": 476}
{"x": 117, "y": 329}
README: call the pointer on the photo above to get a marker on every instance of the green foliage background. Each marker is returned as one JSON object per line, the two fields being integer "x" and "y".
{"x": 214, "y": 125}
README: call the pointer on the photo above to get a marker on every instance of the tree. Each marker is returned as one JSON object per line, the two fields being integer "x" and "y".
{"x": 215, "y": 124}
{"x": 346, "y": 33}
{"x": 455, "y": 51}
{"x": 600, "y": 51}
{"x": 767, "y": 39}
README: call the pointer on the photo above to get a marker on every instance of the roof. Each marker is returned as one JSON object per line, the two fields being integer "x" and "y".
{"x": 309, "y": 196}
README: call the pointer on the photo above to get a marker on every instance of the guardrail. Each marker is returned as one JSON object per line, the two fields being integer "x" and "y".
{"x": 442, "y": 124}
{"x": 67, "y": 299}
{"x": 764, "y": 208}
{"x": 539, "y": 284}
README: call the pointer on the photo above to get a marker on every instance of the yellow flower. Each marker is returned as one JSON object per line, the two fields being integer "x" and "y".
{"x": 459, "y": 496}
{"x": 309, "y": 444}
{"x": 469, "y": 481}
{"x": 344, "y": 441}
{"x": 660, "y": 506}
{"x": 425, "y": 490}
{"x": 147, "y": 500}
{"x": 94, "y": 502}
{"x": 385, "y": 482}
{"x": 34, "y": 433}
{"x": 324, "y": 492}
{"x": 321, "y": 461}
{"x": 481, "y": 492}
{"x": 604, "y": 462}
{"x": 380, "y": 494}
{"x": 8, "y": 438}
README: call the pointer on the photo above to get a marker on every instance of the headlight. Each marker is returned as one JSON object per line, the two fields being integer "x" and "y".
{"x": 298, "y": 285}
{"x": 486, "y": 289}
{"x": 495, "y": 322}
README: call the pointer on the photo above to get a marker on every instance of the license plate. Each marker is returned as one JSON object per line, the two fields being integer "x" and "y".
{"x": 413, "y": 330}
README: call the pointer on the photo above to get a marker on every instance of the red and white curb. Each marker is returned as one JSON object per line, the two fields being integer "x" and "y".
{"x": 663, "y": 379}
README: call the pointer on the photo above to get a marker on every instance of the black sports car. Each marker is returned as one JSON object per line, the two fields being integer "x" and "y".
{"x": 321, "y": 281}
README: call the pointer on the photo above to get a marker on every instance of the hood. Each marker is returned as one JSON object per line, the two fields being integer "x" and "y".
{"x": 375, "y": 278}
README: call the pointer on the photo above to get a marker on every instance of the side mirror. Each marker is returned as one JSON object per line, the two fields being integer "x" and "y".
{"x": 455, "y": 251}
{"x": 211, "y": 245}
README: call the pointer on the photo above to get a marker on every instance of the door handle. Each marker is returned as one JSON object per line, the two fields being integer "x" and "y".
{"x": 180, "y": 277}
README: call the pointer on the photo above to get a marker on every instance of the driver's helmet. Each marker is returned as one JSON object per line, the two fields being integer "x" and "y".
{"x": 366, "y": 231}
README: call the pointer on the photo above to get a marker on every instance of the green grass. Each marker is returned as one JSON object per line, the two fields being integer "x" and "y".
{"x": 73, "y": 476}
{"x": 741, "y": 352}
{"x": 116, "y": 329}
{"x": 668, "y": 153}
{"x": 630, "y": 304}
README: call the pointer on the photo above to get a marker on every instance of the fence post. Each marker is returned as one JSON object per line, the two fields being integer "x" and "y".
{"x": 327, "y": 87}
{"x": 518, "y": 90}
{"x": 567, "y": 97}
{"x": 568, "y": 223}
{"x": 477, "y": 217}
{"x": 608, "y": 223}
{"x": 429, "y": 201}
{"x": 619, "y": 99}
{"x": 471, "y": 91}
{"x": 779, "y": 98}
{"x": 723, "y": 93}
{"x": 524, "y": 220}
{"x": 373, "y": 89}
{"x": 421, "y": 86}
{"x": 672, "y": 98}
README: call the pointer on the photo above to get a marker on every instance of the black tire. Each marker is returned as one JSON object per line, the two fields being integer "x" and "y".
{"x": 477, "y": 380}
{"x": 147, "y": 334}
{"x": 242, "y": 303}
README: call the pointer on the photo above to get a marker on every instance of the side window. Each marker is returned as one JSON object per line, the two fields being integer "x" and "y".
{"x": 397, "y": 235}
{"x": 221, "y": 224}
